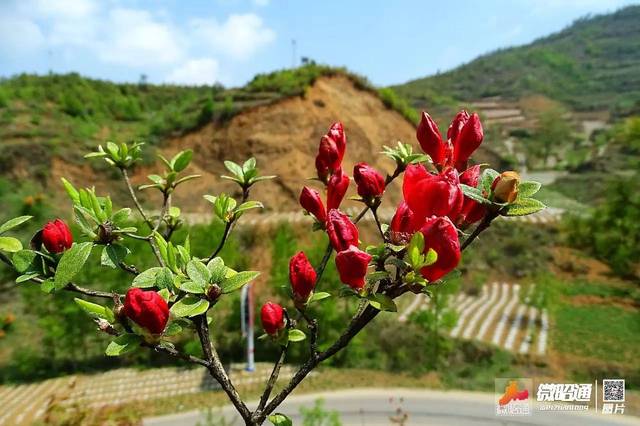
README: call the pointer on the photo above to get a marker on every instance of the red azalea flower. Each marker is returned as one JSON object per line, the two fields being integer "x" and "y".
{"x": 56, "y": 236}
{"x": 310, "y": 201}
{"x": 302, "y": 277}
{"x": 441, "y": 236}
{"x": 147, "y": 309}
{"x": 427, "y": 194}
{"x": 272, "y": 316}
{"x": 352, "y": 266}
{"x": 341, "y": 231}
{"x": 336, "y": 189}
{"x": 370, "y": 182}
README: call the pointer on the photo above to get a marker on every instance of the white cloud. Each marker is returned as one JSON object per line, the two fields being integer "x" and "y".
{"x": 195, "y": 72}
{"x": 19, "y": 37}
{"x": 240, "y": 36}
{"x": 136, "y": 39}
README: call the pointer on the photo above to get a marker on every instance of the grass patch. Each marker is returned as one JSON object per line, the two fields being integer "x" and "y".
{"x": 605, "y": 332}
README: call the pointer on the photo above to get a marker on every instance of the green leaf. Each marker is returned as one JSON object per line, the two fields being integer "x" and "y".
{"x": 26, "y": 277}
{"x": 377, "y": 276}
{"x": 189, "y": 306}
{"x": 217, "y": 269}
{"x": 234, "y": 168}
{"x": 47, "y": 286}
{"x": 146, "y": 278}
{"x": 165, "y": 294}
{"x": 112, "y": 255}
{"x": 192, "y": 287}
{"x": 528, "y": 188}
{"x": 10, "y": 244}
{"x": 172, "y": 329}
{"x": 430, "y": 258}
{"x": 474, "y": 193}
{"x": 120, "y": 216}
{"x": 71, "y": 263}
{"x": 12, "y": 223}
{"x": 487, "y": 178}
{"x": 415, "y": 249}
{"x": 248, "y": 206}
{"x": 383, "y": 302}
{"x": 164, "y": 278}
{"x": 123, "y": 344}
{"x": 238, "y": 280}
{"x": 296, "y": 335}
{"x": 198, "y": 272}
{"x": 181, "y": 160}
{"x": 318, "y": 296}
{"x": 279, "y": 419}
{"x": 23, "y": 259}
{"x": 523, "y": 207}
{"x": 95, "y": 310}
{"x": 73, "y": 192}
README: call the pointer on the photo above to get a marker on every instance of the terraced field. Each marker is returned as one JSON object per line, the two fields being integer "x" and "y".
{"x": 23, "y": 404}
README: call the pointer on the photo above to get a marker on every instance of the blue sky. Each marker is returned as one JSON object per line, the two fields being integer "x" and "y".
{"x": 228, "y": 41}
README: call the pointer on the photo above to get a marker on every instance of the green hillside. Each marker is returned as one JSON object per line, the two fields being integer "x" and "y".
{"x": 594, "y": 64}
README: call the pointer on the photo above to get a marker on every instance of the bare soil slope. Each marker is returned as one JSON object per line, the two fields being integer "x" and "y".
{"x": 284, "y": 138}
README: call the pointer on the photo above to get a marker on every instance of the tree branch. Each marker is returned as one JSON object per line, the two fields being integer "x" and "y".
{"x": 216, "y": 368}
{"x": 229, "y": 227}
{"x": 132, "y": 193}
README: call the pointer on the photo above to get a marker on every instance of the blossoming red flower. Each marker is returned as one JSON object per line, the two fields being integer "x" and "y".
{"x": 302, "y": 277}
{"x": 147, "y": 309}
{"x": 467, "y": 140}
{"x": 427, "y": 194}
{"x": 336, "y": 189}
{"x": 272, "y": 316}
{"x": 471, "y": 211}
{"x": 310, "y": 201}
{"x": 430, "y": 139}
{"x": 403, "y": 224}
{"x": 352, "y": 266}
{"x": 341, "y": 231}
{"x": 370, "y": 182}
{"x": 441, "y": 236}
{"x": 56, "y": 236}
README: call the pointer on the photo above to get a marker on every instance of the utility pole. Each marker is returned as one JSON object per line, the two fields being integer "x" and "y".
{"x": 247, "y": 323}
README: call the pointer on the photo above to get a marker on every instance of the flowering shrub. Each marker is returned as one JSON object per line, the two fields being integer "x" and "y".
{"x": 442, "y": 199}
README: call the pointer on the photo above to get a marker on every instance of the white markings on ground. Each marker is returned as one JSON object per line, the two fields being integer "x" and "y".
{"x": 473, "y": 320}
{"x": 526, "y": 342}
{"x": 515, "y": 326}
{"x": 469, "y": 309}
{"x": 493, "y": 312}
{"x": 544, "y": 331}
{"x": 506, "y": 314}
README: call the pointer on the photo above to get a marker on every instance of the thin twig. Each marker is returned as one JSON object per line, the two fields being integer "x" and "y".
{"x": 374, "y": 211}
{"x": 229, "y": 227}
{"x": 272, "y": 379}
{"x": 132, "y": 193}
{"x": 484, "y": 224}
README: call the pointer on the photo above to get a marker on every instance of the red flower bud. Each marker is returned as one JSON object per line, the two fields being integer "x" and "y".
{"x": 310, "y": 201}
{"x": 272, "y": 316}
{"x": 370, "y": 182}
{"x": 336, "y": 188}
{"x": 404, "y": 220}
{"x": 329, "y": 154}
{"x": 456, "y": 125}
{"x": 336, "y": 132}
{"x": 322, "y": 169}
{"x": 56, "y": 236}
{"x": 441, "y": 236}
{"x": 471, "y": 211}
{"x": 427, "y": 194}
{"x": 430, "y": 139}
{"x": 467, "y": 141}
{"x": 352, "y": 266}
{"x": 147, "y": 309}
{"x": 302, "y": 277}
{"x": 342, "y": 232}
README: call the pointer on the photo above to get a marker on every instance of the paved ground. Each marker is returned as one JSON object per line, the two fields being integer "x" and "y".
{"x": 373, "y": 407}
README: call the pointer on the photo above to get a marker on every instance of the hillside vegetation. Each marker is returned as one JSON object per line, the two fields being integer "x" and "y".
{"x": 593, "y": 64}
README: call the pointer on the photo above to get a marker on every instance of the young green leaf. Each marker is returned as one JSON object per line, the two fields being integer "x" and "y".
{"x": 198, "y": 272}
{"x": 23, "y": 260}
{"x": 318, "y": 296}
{"x": 383, "y": 302}
{"x": 123, "y": 344}
{"x": 279, "y": 419}
{"x": 217, "y": 269}
{"x": 474, "y": 193}
{"x": 71, "y": 263}
{"x": 10, "y": 244}
{"x": 238, "y": 280}
{"x": 189, "y": 306}
{"x": 296, "y": 335}
{"x": 12, "y": 223}
{"x": 95, "y": 310}
{"x": 192, "y": 287}
{"x": 528, "y": 188}
{"x": 112, "y": 255}
{"x": 181, "y": 160}
{"x": 146, "y": 278}
{"x": 523, "y": 207}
